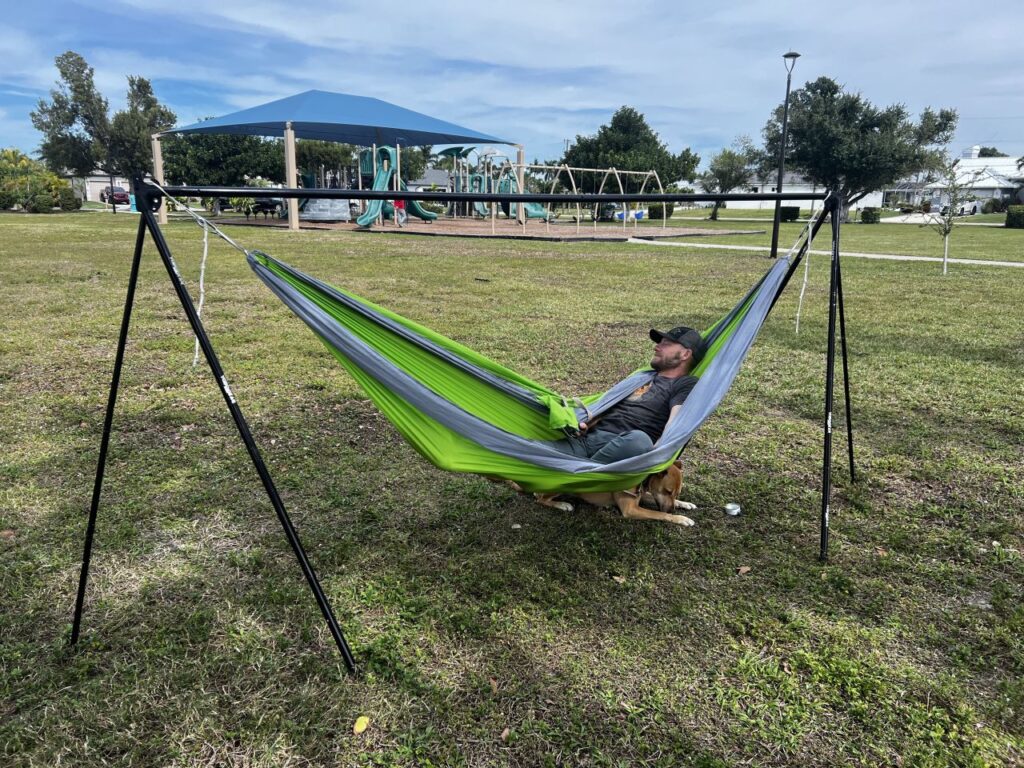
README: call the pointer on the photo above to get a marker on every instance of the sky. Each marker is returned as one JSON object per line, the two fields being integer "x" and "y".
{"x": 538, "y": 73}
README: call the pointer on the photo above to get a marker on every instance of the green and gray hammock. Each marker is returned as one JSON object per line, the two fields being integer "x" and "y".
{"x": 466, "y": 413}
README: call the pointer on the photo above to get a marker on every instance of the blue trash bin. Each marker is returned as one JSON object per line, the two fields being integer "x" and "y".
{"x": 131, "y": 204}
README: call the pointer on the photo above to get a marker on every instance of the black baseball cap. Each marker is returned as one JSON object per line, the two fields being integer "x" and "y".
{"x": 688, "y": 337}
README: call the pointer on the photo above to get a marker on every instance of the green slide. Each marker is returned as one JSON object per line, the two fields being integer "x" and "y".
{"x": 510, "y": 185}
{"x": 381, "y": 181}
{"x": 476, "y": 184}
{"x": 415, "y": 209}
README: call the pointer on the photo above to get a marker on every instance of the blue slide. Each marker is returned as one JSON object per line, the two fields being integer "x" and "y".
{"x": 381, "y": 182}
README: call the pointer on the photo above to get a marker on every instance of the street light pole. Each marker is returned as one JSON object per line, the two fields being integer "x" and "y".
{"x": 790, "y": 61}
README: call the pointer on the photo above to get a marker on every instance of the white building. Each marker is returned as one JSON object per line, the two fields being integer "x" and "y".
{"x": 987, "y": 177}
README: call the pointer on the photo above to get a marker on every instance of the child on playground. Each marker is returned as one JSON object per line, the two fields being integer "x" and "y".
{"x": 400, "y": 215}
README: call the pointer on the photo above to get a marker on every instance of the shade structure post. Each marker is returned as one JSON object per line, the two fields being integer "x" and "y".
{"x": 521, "y": 180}
{"x": 146, "y": 201}
{"x": 291, "y": 174}
{"x": 158, "y": 174}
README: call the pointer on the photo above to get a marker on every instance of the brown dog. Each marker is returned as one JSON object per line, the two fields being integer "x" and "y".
{"x": 661, "y": 489}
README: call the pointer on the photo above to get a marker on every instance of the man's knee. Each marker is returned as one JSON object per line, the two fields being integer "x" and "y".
{"x": 623, "y": 446}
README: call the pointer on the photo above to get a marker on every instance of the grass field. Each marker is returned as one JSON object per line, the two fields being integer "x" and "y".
{"x": 966, "y": 242}
{"x": 492, "y": 631}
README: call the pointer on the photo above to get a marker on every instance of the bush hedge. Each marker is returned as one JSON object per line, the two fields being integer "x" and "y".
{"x": 870, "y": 215}
{"x": 41, "y": 203}
{"x": 660, "y": 210}
{"x": 789, "y": 212}
{"x": 1015, "y": 217}
{"x": 7, "y": 199}
{"x": 68, "y": 200}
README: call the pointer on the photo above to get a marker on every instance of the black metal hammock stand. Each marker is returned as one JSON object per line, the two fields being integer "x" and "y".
{"x": 485, "y": 396}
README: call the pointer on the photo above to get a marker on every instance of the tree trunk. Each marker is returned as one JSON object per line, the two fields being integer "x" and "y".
{"x": 714, "y": 212}
{"x": 945, "y": 253}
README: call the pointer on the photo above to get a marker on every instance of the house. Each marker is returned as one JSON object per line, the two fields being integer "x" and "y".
{"x": 987, "y": 178}
{"x": 89, "y": 187}
{"x": 791, "y": 183}
{"x": 436, "y": 179}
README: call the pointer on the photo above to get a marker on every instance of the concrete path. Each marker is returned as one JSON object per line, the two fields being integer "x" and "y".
{"x": 882, "y": 256}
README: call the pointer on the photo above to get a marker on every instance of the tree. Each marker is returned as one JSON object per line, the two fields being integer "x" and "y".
{"x": 844, "y": 143}
{"x": 729, "y": 169}
{"x": 627, "y": 143}
{"x": 991, "y": 152}
{"x": 74, "y": 123}
{"x": 221, "y": 159}
{"x": 78, "y": 134}
{"x": 311, "y": 155}
{"x": 957, "y": 190}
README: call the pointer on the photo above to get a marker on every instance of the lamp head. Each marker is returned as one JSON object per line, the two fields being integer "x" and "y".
{"x": 790, "y": 60}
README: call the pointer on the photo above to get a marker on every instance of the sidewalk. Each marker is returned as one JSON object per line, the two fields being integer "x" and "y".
{"x": 855, "y": 254}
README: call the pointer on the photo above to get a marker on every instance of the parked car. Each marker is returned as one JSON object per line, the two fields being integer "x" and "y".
{"x": 119, "y": 195}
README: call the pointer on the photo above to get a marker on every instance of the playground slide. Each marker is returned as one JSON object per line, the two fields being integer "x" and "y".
{"x": 415, "y": 209}
{"x": 509, "y": 185}
{"x": 381, "y": 181}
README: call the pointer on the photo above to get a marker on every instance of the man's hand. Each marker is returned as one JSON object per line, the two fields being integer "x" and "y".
{"x": 583, "y": 427}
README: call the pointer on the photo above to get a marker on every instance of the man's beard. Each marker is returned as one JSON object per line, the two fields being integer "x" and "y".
{"x": 665, "y": 363}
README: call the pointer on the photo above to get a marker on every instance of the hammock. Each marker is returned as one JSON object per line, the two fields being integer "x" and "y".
{"x": 466, "y": 413}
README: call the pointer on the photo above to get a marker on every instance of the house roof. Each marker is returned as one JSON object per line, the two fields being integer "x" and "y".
{"x": 342, "y": 117}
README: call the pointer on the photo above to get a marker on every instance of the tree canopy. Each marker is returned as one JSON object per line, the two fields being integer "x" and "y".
{"x": 729, "y": 169}
{"x": 80, "y": 136}
{"x": 843, "y": 142}
{"x": 627, "y": 143}
{"x": 990, "y": 152}
{"x": 221, "y": 159}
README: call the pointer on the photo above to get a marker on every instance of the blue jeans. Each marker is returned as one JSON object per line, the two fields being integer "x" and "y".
{"x": 606, "y": 447}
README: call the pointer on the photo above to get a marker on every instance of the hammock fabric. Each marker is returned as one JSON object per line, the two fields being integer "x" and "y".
{"x": 466, "y": 413}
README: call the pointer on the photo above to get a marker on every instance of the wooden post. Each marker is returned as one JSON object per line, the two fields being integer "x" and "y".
{"x": 291, "y": 175}
{"x": 158, "y": 176}
{"x": 521, "y": 178}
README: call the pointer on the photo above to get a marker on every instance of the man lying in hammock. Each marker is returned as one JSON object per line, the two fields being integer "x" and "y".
{"x": 634, "y": 425}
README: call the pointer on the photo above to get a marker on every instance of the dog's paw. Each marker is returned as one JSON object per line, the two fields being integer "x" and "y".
{"x": 682, "y": 520}
{"x": 561, "y": 506}
{"x": 688, "y": 506}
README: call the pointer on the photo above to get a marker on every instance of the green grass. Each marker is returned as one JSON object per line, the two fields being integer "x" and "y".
{"x": 986, "y": 243}
{"x": 471, "y": 610}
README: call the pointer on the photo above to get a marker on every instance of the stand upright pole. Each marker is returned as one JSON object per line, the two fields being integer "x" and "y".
{"x": 826, "y": 469}
{"x": 846, "y": 372}
{"x": 148, "y": 198}
{"x": 97, "y": 487}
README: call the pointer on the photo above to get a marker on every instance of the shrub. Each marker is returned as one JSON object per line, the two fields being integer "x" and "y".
{"x": 41, "y": 203}
{"x": 870, "y": 216}
{"x": 994, "y": 205}
{"x": 1015, "y": 217}
{"x": 68, "y": 200}
{"x": 660, "y": 210}
{"x": 926, "y": 206}
{"x": 789, "y": 212}
{"x": 7, "y": 199}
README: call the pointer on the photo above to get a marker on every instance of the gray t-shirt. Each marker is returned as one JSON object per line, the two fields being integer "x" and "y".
{"x": 648, "y": 408}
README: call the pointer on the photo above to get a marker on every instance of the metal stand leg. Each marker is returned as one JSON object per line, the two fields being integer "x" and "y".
{"x": 90, "y": 530}
{"x": 846, "y": 373}
{"x": 826, "y": 470}
{"x": 149, "y": 222}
